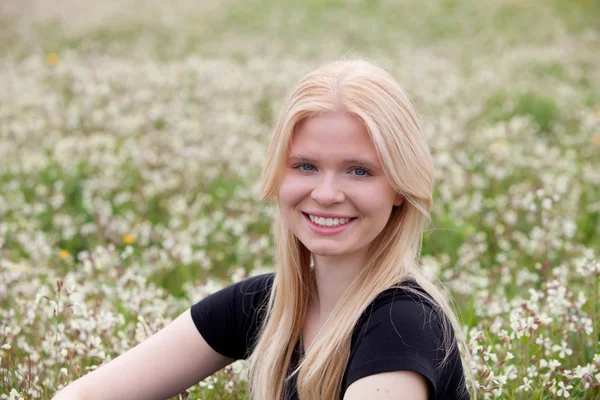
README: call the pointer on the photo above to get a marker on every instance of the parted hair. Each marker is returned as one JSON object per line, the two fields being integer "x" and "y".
{"x": 361, "y": 88}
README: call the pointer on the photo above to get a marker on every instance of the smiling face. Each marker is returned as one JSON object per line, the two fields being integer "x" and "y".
{"x": 332, "y": 170}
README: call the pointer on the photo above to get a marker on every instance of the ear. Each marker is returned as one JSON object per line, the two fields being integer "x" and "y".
{"x": 398, "y": 200}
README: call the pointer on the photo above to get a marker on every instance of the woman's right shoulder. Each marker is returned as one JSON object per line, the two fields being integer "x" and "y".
{"x": 252, "y": 295}
{"x": 245, "y": 293}
{"x": 256, "y": 287}
{"x": 230, "y": 318}
{"x": 256, "y": 284}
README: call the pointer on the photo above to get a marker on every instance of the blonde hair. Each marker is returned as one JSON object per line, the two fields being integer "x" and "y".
{"x": 361, "y": 88}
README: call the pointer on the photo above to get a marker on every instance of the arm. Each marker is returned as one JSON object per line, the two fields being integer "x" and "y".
{"x": 397, "y": 385}
{"x": 172, "y": 360}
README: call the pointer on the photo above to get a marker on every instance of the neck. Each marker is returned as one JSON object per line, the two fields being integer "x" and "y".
{"x": 333, "y": 275}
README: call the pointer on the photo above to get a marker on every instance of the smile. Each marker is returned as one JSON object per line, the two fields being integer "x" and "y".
{"x": 328, "y": 226}
{"x": 328, "y": 221}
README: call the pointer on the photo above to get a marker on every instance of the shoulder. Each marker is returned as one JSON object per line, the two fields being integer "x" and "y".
{"x": 409, "y": 291}
{"x": 402, "y": 322}
{"x": 252, "y": 294}
{"x": 407, "y": 308}
{"x": 230, "y": 318}
{"x": 257, "y": 284}
{"x": 402, "y": 330}
{"x": 252, "y": 289}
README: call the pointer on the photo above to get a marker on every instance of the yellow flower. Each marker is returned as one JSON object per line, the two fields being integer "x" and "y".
{"x": 64, "y": 254}
{"x": 52, "y": 59}
{"x": 596, "y": 140}
{"x": 128, "y": 239}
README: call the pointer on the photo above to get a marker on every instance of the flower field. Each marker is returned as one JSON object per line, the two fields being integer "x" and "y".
{"x": 132, "y": 137}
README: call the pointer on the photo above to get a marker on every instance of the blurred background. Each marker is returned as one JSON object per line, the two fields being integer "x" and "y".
{"x": 132, "y": 137}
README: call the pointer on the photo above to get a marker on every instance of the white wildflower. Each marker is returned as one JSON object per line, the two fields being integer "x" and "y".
{"x": 526, "y": 386}
{"x": 563, "y": 349}
{"x": 563, "y": 390}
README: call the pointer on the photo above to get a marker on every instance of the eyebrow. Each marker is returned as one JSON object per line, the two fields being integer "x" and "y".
{"x": 355, "y": 161}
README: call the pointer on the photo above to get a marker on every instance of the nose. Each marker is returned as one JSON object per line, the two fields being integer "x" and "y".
{"x": 327, "y": 192}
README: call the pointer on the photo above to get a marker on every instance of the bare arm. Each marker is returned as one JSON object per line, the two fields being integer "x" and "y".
{"x": 165, "y": 364}
{"x": 396, "y": 385}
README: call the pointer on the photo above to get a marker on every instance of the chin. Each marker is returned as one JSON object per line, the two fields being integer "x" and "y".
{"x": 325, "y": 251}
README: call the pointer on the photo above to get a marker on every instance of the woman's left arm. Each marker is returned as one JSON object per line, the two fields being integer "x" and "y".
{"x": 395, "y": 385}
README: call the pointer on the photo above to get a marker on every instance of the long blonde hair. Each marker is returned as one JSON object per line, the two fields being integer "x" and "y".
{"x": 361, "y": 88}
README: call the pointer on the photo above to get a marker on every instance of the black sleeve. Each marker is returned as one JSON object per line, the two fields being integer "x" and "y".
{"x": 401, "y": 335}
{"x": 229, "y": 319}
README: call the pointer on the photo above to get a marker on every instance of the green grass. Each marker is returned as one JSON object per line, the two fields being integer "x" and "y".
{"x": 468, "y": 35}
{"x": 384, "y": 24}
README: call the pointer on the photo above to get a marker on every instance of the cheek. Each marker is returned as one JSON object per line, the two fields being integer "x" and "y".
{"x": 373, "y": 199}
{"x": 291, "y": 191}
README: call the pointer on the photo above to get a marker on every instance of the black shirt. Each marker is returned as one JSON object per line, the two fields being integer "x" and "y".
{"x": 398, "y": 331}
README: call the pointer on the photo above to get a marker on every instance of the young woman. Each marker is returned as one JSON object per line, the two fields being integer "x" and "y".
{"x": 346, "y": 314}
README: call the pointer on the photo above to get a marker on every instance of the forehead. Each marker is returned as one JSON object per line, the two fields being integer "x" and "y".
{"x": 333, "y": 134}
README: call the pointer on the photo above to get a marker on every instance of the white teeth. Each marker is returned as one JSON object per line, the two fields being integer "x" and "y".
{"x": 328, "y": 221}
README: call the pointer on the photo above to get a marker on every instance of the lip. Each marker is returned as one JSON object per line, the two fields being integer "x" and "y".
{"x": 332, "y": 230}
{"x": 323, "y": 215}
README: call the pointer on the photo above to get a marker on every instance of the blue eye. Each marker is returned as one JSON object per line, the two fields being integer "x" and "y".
{"x": 307, "y": 167}
{"x": 365, "y": 172}
{"x": 299, "y": 167}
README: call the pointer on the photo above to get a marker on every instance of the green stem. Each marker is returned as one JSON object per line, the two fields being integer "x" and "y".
{"x": 596, "y": 315}
{"x": 57, "y": 373}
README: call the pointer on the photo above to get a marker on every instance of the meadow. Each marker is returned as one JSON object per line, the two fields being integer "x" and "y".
{"x": 132, "y": 137}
